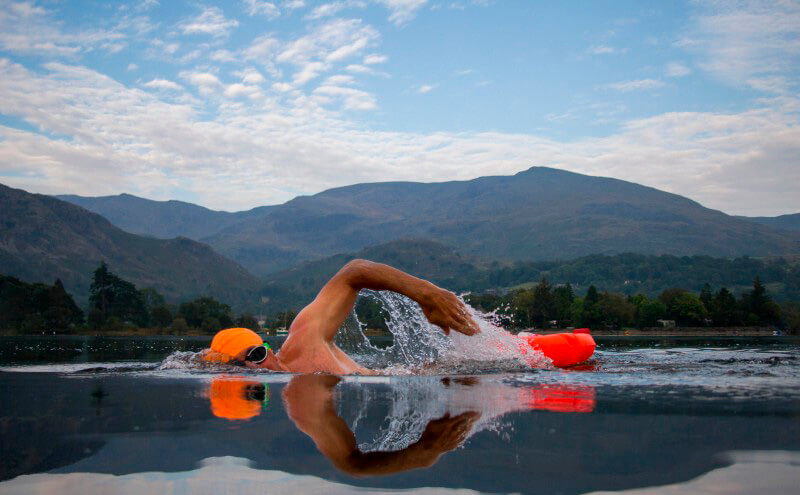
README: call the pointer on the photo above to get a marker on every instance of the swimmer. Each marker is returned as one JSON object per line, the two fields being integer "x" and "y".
{"x": 309, "y": 347}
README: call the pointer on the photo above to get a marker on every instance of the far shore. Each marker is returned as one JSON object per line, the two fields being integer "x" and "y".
{"x": 624, "y": 332}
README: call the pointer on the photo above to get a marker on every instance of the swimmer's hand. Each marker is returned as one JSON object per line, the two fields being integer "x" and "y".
{"x": 445, "y": 310}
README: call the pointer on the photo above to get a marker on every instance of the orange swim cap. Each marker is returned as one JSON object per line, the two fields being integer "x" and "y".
{"x": 230, "y": 342}
{"x": 237, "y": 399}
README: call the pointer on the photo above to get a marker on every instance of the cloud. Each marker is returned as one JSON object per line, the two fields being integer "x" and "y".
{"x": 163, "y": 84}
{"x": 746, "y": 40}
{"x": 31, "y": 30}
{"x": 132, "y": 67}
{"x": 326, "y": 45}
{"x": 210, "y": 21}
{"x": 205, "y": 82}
{"x": 375, "y": 59}
{"x": 402, "y": 11}
{"x": 333, "y": 8}
{"x": 601, "y": 50}
{"x": 425, "y": 88}
{"x": 124, "y": 139}
{"x": 636, "y": 85}
{"x": 259, "y": 7}
{"x": 676, "y": 69}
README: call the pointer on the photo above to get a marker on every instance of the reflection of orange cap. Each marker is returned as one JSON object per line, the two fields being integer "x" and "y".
{"x": 236, "y": 399}
{"x": 230, "y": 342}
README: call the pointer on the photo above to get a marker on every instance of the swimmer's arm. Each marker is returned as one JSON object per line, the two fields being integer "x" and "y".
{"x": 333, "y": 303}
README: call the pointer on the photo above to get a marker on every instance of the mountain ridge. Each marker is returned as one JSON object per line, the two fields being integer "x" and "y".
{"x": 537, "y": 214}
{"x": 43, "y": 238}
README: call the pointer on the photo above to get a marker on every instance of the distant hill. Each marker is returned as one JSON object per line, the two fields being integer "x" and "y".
{"x": 43, "y": 238}
{"x": 788, "y": 222}
{"x": 538, "y": 214}
{"x": 161, "y": 219}
{"x": 430, "y": 260}
{"x": 625, "y": 273}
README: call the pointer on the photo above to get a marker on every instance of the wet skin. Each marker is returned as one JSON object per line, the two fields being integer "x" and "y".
{"x": 309, "y": 348}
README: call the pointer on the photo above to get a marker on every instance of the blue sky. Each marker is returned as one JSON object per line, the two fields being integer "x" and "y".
{"x": 244, "y": 103}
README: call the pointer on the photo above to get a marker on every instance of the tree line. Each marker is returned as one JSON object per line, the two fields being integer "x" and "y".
{"x": 544, "y": 305}
{"x": 114, "y": 304}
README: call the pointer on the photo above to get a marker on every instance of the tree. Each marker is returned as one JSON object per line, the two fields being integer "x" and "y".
{"x": 615, "y": 311}
{"x": 562, "y": 300}
{"x": 542, "y": 304}
{"x": 160, "y": 316}
{"x": 112, "y": 296}
{"x": 35, "y": 308}
{"x": 706, "y": 297}
{"x": 591, "y": 314}
{"x": 724, "y": 311}
{"x": 247, "y": 320}
{"x": 758, "y": 306}
{"x": 687, "y": 310}
{"x": 197, "y": 311}
{"x": 648, "y": 311}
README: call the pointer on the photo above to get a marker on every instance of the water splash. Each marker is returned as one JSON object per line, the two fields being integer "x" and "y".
{"x": 422, "y": 348}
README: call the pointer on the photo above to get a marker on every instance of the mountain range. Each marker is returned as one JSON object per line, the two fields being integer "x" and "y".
{"x": 43, "y": 238}
{"x": 538, "y": 214}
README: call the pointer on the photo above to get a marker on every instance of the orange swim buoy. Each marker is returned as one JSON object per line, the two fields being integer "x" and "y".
{"x": 564, "y": 349}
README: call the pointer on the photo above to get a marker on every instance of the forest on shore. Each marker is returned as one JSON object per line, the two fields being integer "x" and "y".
{"x": 118, "y": 306}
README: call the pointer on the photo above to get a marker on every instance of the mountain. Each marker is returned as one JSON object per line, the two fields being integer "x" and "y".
{"x": 43, "y": 238}
{"x": 787, "y": 222}
{"x": 161, "y": 219}
{"x": 538, "y": 214}
{"x": 441, "y": 264}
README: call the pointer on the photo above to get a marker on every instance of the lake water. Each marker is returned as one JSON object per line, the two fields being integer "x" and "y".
{"x": 115, "y": 415}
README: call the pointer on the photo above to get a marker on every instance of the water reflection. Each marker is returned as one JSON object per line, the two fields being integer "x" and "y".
{"x": 412, "y": 439}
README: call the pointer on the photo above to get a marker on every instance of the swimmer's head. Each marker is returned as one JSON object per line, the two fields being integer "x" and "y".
{"x": 242, "y": 346}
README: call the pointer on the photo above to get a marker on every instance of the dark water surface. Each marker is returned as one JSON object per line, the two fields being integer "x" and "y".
{"x": 702, "y": 415}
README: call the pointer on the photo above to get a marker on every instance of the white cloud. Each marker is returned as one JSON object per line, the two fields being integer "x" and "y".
{"x": 425, "y": 88}
{"x": 746, "y": 40}
{"x": 29, "y": 29}
{"x": 210, "y": 21}
{"x": 163, "y": 84}
{"x": 352, "y": 99}
{"x": 205, "y": 82}
{"x": 124, "y": 139}
{"x": 238, "y": 90}
{"x": 259, "y": 7}
{"x": 601, "y": 50}
{"x": 677, "y": 69}
{"x": 223, "y": 56}
{"x": 333, "y": 8}
{"x": 133, "y": 67}
{"x": 146, "y": 5}
{"x": 402, "y": 11}
{"x": 636, "y": 85}
{"x": 251, "y": 75}
{"x": 375, "y": 59}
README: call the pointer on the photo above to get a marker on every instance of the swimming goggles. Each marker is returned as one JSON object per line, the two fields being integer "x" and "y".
{"x": 257, "y": 354}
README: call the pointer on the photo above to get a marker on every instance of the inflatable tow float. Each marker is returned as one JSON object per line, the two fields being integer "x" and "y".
{"x": 564, "y": 349}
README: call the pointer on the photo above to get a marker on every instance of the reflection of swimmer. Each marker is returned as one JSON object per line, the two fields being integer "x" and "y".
{"x": 235, "y": 398}
{"x": 309, "y": 403}
{"x": 428, "y": 417}
{"x": 309, "y": 348}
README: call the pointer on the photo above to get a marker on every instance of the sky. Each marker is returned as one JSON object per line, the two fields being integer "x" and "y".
{"x": 238, "y": 104}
